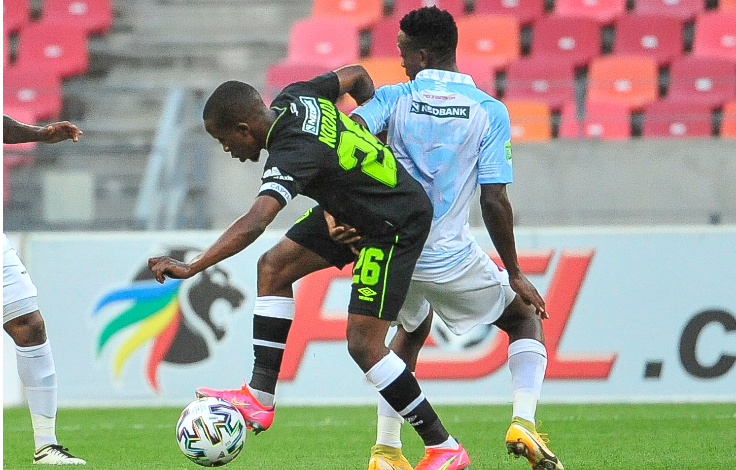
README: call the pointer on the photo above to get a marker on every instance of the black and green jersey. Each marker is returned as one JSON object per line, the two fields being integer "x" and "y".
{"x": 318, "y": 151}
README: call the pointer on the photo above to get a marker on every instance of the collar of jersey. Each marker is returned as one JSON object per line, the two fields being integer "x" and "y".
{"x": 445, "y": 76}
{"x": 268, "y": 136}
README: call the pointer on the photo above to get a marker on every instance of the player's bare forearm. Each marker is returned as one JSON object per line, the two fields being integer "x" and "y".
{"x": 15, "y": 132}
{"x": 355, "y": 81}
{"x": 498, "y": 218}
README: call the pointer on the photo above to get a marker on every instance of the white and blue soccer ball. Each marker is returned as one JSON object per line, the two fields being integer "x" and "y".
{"x": 210, "y": 432}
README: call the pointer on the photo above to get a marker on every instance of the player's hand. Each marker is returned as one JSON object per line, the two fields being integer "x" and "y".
{"x": 60, "y": 131}
{"x": 342, "y": 233}
{"x": 163, "y": 267}
{"x": 521, "y": 285}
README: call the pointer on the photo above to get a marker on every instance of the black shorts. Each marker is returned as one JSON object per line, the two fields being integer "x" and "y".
{"x": 382, "y": 272}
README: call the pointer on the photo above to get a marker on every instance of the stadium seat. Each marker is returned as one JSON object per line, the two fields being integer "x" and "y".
{"x": 51, "y": 48}
{"x": 362, "y": 13}
{"x": 402, "y": 7}
{"x": 671, "y": 119}
{"x": 384, "y": 70}
{"x": 540, "y": 79}
{"x": 602, "y": 11}
{"x": 684, "y": 10}
{"x": 570, "y": 125}
{"x": 531, "y": 121}
{"x": 715, "y": 35}
{"x": 383, "y": 37}
{"x": 6, "y": 48}
{"x": 656, "y": 36}
{"x": 487, "y": 43}
{"x": 323, "y": 41}
{"x": 624, "y": 79}
{"x": 94, "y": 16}
{"x": 26, "y": 87}
{"x": 525, "y": 11}
{"x": 16, "y": 14}
{"x": 284, "y": 73}
{"x": 728, "y": 120}
{"x": 726, "y": 5}
{"x": 702, "y": 80}
{"x": 574, "y": 41}
{"x": 606, "y": 121}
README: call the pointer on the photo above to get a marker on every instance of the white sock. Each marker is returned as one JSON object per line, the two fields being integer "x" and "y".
{"x": 264, "y": 398}
{"x": 450, "y": 443}
{"x": 389, "y": 425}
{"x": 527, "y": 363}
{"x": 38, "y": 376}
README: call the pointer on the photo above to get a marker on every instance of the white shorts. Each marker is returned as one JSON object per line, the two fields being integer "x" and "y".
{"x": 474, "y": 292}
{"x": 19, "y": 292}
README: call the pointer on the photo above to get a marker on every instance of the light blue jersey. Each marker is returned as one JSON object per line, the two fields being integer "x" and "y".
{"x": 451, "y": 137}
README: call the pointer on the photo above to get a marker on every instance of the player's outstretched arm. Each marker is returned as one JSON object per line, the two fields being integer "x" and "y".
{"x": 498, "y": 218}
{"x": 15, "y": 132}
{"x": 235, "y": 239}
{"x": 355, "y": 81}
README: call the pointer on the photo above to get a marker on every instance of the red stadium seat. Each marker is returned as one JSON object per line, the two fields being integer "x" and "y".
{"x": 570, "y": 125}
{"x": 487, "y": 43}
{"x": 629, "y": 80}
{"x": 702, "y": 80}
{"x": 601, "y": 11}
{"x": 728, "y": 121}
{"x": 455, "y": 7}
{"x": 362, "y": 13}
{"x": 726, "y": 5}
{"x": 323, "y": 41}
{"x": 656, "y": 36}
{"x": 51, "y": 48}
{"x": 715, "y": 35}
{"x": 531, "y": 121}
{"x": 384, "y": 70}
{"x": 383, "y": 37}
{"x": 31, "y": 89}
{"x": 607, "y": 121}
{"x": 525, "y": 11}
{"x": 541, "y": 79}
{"x": 684, "y": 10}
{"x": 16, "y": 14}
{"x": 670, "y": 119}
{"x": 575, "y": 41}
{"x": 284, "y": 73}
{"x": 94, "y": 16}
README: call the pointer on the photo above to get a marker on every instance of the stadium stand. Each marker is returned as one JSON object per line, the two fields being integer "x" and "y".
{"x": 39, "y": 93}
{"x": 575, "y": 41}
{"x": 283, "y": 73}
{"x": 326, "y": 41}
{"x": 384, "y": 70}
{"x": 540, "y": 78}
{"x": 728, "y": 120}
{"x": 16, "y": 14}
{"x": 569, "y": 126}
{"x": 602, "y": 11}
{"x": 606, "y": 121}
{"x": 659, "y": 37}
{"x": 383, "y": 38}
{"x": 624, "y": 79}
{"x": 53, "y": 48}
{"x": 676, "y": 120}
{"x": 715, "y": 35}
{"x": 362, "y": 13}
{"x": 94, "y": 16}
{"x": 530, "y": 120}
{"x": 525, "y": 11}
{"x": 701, "y": 80}
{"x": 727, "y": 5}
{"x": 455, "y": 7}
{"x": 685, "y": 10}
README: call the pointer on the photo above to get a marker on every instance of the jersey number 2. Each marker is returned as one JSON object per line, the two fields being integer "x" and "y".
{"x": 355, "y": 138}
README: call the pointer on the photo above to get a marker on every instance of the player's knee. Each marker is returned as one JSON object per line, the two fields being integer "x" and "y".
{"x": 519, "y": 321}
{"x": 27, "y": 330}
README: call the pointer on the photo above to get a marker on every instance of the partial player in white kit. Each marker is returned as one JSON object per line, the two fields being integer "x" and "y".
{"x": 23, "y": 322}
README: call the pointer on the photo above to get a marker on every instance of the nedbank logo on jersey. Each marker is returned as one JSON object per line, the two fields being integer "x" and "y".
{"x": 418, "y": 107}
{"x": 311, "y": 120}
{"x": 175, "y": 322}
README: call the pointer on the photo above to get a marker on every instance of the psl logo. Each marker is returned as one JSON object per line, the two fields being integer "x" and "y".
{"x": 175, "y": 318}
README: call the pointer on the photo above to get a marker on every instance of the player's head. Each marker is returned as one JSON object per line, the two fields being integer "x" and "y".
{"x": 427, "y": 39}
{"x": 234, "y": 115}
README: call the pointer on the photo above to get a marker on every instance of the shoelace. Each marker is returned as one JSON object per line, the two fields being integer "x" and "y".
{"x": 543, "y": 436}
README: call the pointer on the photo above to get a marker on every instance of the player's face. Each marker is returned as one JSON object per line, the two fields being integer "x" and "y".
{"x": 411, "y": 58}
{"x": 237, "y": 141}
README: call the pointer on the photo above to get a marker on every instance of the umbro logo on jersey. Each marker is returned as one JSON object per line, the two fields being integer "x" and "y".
{"x": 275, "y": 173}
{"x": 463, "y": 112}
{"x": 366, "y": 293}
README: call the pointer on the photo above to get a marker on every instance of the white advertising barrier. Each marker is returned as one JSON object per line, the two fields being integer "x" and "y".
{"x": 637, "y": 315}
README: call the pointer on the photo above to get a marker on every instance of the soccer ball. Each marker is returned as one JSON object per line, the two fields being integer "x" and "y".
{"x": 210, "y": 431}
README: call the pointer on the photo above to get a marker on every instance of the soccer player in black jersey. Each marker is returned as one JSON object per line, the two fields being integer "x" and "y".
{"x": 318, "y": 151}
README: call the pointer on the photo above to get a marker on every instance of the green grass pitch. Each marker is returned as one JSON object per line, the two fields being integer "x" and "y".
{"x": 585, "y": 437}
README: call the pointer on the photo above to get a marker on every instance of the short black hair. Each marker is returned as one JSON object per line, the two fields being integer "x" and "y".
{"x": 231, "y": 103}
{"x": 432, "y": 29}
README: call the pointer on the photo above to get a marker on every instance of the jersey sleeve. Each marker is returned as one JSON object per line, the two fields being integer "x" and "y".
{"x": 494, "y": 160}
{"x": 377, "y": 111}
{"x": 289, "y": 168}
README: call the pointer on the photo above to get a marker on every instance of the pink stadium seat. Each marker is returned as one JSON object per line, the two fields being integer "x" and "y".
{"x": 94, "y": 16}
{"x": 383, "y": 37}
{"x": 656, "y": 36}
{"x": 670, "y": 119}
{"x": 575, "y": 41}
{"x": 361, "y": 13}
{"x": 684, "y": 10}
{"x": 607, "y": 121}
{"x": 727, "y": 5}
{"x": 525, "y": 11}
{"x": 601, "y": 11}
{"x": 323, "y": 41}
{"x": 51, "y": 48}
{"x": 402, "y": 7}
{"x": 715, "y": 35}
{"x": 728, "y": 121}
{"x": 623, "y": 79}
{"x": 29, "y": 88}
{"x": 570, "y": 125}
{"x": 284, "y": 73}
{"x": 16, "y": 14}
{"x": 487, "y": 43}
{"x": 701, "y": 80}
{"x": 541, "y": 79}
